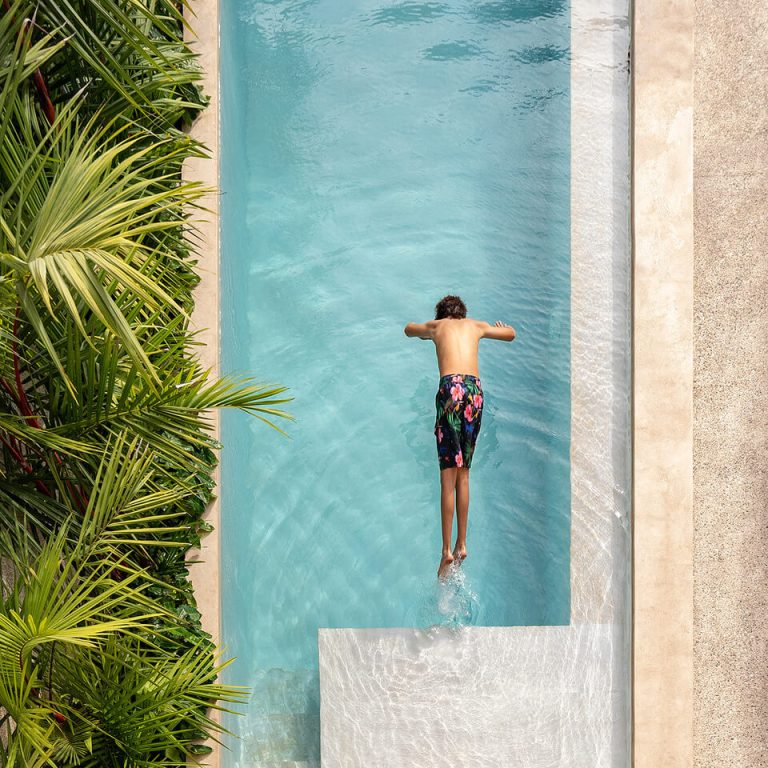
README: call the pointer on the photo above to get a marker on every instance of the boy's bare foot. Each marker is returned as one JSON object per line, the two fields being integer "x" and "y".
{"x": 445, "y": 564}
{"x": 460, "y": 552}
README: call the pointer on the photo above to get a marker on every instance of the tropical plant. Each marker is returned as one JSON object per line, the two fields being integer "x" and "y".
{"x": 89, "y": 674}
{"x": 105, "y": 458}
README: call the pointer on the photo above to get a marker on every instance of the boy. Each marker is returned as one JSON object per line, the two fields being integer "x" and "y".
{"x": 459, "y": 405}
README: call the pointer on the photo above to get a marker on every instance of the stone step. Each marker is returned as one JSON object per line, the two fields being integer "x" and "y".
{"x": 475, "y": 697}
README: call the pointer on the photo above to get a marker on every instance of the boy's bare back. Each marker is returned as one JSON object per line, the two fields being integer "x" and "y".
{"x": 457, "y": 340}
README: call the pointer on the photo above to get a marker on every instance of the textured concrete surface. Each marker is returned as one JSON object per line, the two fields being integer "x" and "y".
{"x": 663, "y": 370}
{"x": 731, "y": 386}
{"x": 731, "y": 130}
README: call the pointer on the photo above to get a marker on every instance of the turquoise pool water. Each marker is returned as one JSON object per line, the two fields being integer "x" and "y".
{"x": 374, "y": 157}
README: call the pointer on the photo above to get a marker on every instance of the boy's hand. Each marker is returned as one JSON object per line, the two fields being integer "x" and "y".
{"x": 500, "y": 331}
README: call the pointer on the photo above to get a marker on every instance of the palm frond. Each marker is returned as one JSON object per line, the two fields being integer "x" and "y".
{"x": 127, "y": 508}
{"x": 73, "y": 217}
{"x": 120, "y": 49}
{"x": 144, "y": 705}
{"x": 52, "y": 602}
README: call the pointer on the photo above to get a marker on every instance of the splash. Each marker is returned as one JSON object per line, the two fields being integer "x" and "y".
{"x": 448, "y": 602}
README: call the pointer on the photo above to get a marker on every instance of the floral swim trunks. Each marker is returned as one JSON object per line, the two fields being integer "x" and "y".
{"x": 459, "y": 406}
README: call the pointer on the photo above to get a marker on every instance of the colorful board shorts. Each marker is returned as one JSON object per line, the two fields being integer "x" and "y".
{"x": 459, "y": 406}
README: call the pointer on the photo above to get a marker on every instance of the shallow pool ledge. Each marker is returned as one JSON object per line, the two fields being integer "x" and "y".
{"x": 522, "y": 697}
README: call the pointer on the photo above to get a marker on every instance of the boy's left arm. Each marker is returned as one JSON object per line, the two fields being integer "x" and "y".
{"x": 422, "y": 330}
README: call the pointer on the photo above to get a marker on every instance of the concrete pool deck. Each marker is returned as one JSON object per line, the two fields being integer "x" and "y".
{"x": 699, "y": 495}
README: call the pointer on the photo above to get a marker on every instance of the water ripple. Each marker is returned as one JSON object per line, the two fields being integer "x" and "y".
{"x": 517, "y": 10}
{"x": 540, "y": 54}
{"x": 408, "y": 13}
{"x": 458, "y": 49}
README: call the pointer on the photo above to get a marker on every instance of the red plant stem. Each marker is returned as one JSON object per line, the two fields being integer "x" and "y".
{"x": 25, "y": 465}
{"x": 7, "y": 387}
{"x": 78, "y": 496}
{"x": 24, "y": 406}
{"x": 45, "y": 100}
{"x": 81, "y": 499}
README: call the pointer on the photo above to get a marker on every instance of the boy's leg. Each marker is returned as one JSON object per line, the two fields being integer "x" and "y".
{"x": 447, "y": 490}
{"x": 462, "y": 512}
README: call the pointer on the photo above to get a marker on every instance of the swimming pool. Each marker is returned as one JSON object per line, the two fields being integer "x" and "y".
{"x": 373, "y": 158}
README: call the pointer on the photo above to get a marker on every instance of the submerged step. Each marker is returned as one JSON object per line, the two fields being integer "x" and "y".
{"x": 521, "y": 697}
{"x": 281, "y": 727}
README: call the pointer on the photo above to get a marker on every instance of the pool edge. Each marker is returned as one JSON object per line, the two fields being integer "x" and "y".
{"x": 203, "y": 37}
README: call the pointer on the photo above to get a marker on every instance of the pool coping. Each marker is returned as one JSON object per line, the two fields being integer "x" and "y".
{"x": 662, "y": 442}
{"x": 203, "y": 36}
{"x": 662, "y": 394}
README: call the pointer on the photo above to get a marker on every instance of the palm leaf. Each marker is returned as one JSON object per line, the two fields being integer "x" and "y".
{"x": 74, "y": 219}
{"x": 52, "y": 601}
{"x": 147, "y": 706}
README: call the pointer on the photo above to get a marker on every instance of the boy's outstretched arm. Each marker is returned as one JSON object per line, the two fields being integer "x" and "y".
{"x": 500, "y": 331}
{"x": 422, "y": 330}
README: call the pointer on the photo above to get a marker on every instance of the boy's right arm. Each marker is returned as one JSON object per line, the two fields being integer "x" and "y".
{"x": 500, "y": 331}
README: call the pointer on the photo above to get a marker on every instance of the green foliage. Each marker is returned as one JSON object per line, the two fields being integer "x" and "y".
{"x": 105, "y": 459}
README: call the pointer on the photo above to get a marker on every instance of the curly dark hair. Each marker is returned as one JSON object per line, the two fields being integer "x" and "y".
{"x": 450, "y": 306}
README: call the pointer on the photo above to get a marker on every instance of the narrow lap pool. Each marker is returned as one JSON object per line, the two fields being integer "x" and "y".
{"x": 374, "y": 157}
